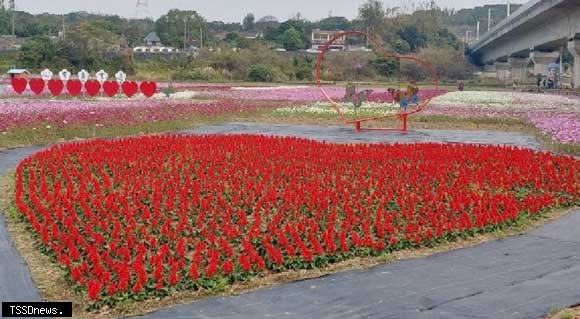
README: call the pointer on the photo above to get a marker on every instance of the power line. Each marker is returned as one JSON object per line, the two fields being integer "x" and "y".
{"x": 142, "y": 9}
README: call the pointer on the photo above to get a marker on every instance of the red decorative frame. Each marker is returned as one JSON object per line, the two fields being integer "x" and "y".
{"x": 358, "y": 122}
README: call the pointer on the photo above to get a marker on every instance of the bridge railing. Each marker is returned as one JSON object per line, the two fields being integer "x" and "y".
{"x": 528, "y": 11}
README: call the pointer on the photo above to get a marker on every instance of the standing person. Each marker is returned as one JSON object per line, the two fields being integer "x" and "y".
{"x": 539, "y": 78}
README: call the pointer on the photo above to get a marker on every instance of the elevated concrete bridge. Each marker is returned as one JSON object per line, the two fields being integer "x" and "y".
{"x": 535, "y": 33}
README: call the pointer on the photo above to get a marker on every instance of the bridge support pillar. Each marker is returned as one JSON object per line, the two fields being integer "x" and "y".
{"x": 542, "y": 60}
{"x": 519, "y": 68}
{"x": 574, "y": 48}
{"x": 503, "y": 70}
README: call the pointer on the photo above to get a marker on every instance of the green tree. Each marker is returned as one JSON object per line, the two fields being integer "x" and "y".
{"x": 334, "y": 23}
{"x": 412, "y": 36}
{"x": 386, "y": 67}
{"x": 4, "y": 21}
{"x": 292, "y": 40}
{"x": 237, "y": 41}
{"x": 41, "y": 52}
{"x": 304, "y": 28}
{"x": 372, "y": 15}
{"x": 248, "y": 23}
{"x": 260, "y": 73}
{"x": 172, "y": 28}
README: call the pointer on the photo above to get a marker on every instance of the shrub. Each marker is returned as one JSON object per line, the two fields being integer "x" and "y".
{"x": 260, "y": 73}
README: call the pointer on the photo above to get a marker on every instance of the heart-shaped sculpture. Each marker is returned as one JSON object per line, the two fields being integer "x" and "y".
{"x": 111, "y": 88}
{"x": 148, "y": 88}
{"x": 37, "y": 86}
{"x": 243, "y": 205}
{"x": 74, "y": 87}
{"x": 130, "y": 88}
{"x": 19, "y": 85}
{"x": 409, "y": 97}
{"x": 93, "y": 87}
{"x": 55, "y": 87}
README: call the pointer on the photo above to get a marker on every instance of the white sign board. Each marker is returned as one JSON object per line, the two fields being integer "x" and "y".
{"x": 121, "y": 77}
{"x": 46, "y": 74}
{"x": 83, "y": 76}
{"x": 64, "y": 75}
{"x": 102, "y": 76}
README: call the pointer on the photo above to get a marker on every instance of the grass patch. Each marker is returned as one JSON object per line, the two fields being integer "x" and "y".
{"x": 570, "y": 313}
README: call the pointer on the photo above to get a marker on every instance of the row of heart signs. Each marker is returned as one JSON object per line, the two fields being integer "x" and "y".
{"x": 74, "y": 87}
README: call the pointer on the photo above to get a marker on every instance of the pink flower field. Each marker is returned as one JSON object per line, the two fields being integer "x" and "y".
{"x": 16, "y": 113}
{"x": 554, "y": 115}
{"x": 304, "y": 94}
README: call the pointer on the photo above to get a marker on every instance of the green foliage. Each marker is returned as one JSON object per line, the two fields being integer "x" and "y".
{"x": 388, "y": 68}
{"x": 248, "y": 23}
{"x": 5, "y": 25}
{"x": 372, "y": 14}
{"x": 41, "y": 52}
{"x": 334, "y": 23}
{"x": 90, "y": 46}
{"x": 172, "y": 28}
{"x": 291, "y": 40}
{"x": 303, "y": 68}
{"x": 287, "y": 38}
{"x": 449, "y": 64}
{"x": 220, "y": 26}
{"x": 237, "y": 41}
{"x": 260, "y": 73}
{"x": 413, "y": 37}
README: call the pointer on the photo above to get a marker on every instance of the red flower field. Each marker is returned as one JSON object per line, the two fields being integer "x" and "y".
{"x": 140, "y": 217}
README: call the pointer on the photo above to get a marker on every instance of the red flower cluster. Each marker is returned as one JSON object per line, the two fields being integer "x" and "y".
{"x": 144, "y": 215}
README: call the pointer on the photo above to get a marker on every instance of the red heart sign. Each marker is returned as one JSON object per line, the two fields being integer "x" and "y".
{"x": 130, "y": 88}
{"x": 111, "y": 88}
{"x": 37, "y": 86}
{"x": 74, "y": 87}
{"x": 148, "y": 88}
{"x": 19, "y": 85}
{"x": 93, "y": 87}
{"x": 55, "y": 87}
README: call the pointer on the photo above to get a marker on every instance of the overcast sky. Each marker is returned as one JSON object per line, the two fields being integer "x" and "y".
{"x": 231, "y": 10}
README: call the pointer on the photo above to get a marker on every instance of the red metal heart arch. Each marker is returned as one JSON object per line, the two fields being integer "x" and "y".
{"x": 386, "y": 54}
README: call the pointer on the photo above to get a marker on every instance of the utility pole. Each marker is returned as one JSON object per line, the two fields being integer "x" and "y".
{"x": 12, "y": 8}
{"x": 477, "y": 34}
{"x": 201, "y": 37}
{"x": 63, "y": 27}
{"x": 509, "y": 8}
{"x": 466, "y": 41}
{"x": 184, "y": 33}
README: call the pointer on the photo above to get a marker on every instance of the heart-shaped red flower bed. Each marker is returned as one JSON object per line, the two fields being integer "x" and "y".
{"x": 93, "y": 87}
{"x": 74, "y": 87}
{"x": 149, "y": 215}
{"x": 55, "y": 87}
{"x": 19, "y": 85}
{"x": 111, "y": 88}
{"x": 37, "y": 86}
{"x": 130, "y": 88}
{"x": 148, "y": 88}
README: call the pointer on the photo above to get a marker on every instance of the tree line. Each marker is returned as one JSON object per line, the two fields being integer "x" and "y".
{"x": 86, "y": 40}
